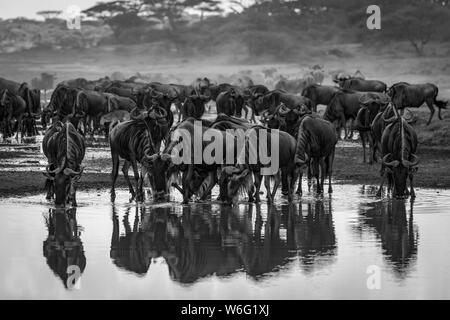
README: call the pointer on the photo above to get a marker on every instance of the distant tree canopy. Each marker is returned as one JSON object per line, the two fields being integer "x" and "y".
{"x": 49, "y": 14}
{"x": 259, "y": 24}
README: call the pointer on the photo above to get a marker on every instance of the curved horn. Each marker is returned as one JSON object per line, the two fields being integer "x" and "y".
{"x": 153, "y": 95}
{"x": 229, "y": 170}
{"x": 69, "y": 172}
{"x": 414, "y": 162}
{"x": 394, "y": 117}
{"x": 166, "y": 157}
{"x": 136, "y": 115}
{"x": 57, "y": 170}
{"x": 151, "y": 157}
{"x": 394, "y": 163}
{"x": 283, "y": 110}
{"x": 162, "y": 113}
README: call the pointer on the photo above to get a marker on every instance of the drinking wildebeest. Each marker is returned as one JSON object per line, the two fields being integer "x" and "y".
{"x": 398, "y": 151}
{"x": 405, "y": 95}
{"x": 316, "y": 143}
{"x": 184, "y": 136}
{"x": 138, "y": 140}
{"x": 64, "y": 148}
{"x": 237, "y": 178}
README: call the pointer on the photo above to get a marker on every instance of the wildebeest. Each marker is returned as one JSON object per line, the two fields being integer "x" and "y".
{"x": 405, "y": 95}
{"x": 64, "y": 148}
{"x": 345, "y": 106}
{"x": 230, "y": 102}
{"x": 186, "y": 135}
{"x": 110, "y": 120}
{"x": 363, "y": 85}
{"x": 194, "y": 106}
{"x": 32, "y": 97}
{"x": 238, "y": 177}
{"x": 12, "y": 107}
{"x": 272, "y": 100}
{"x": 316, "y": 143}
{"x": 398, "y": 151}
{"x": 371, "y": 105}
{"x": 138, "y": 141}
{"x": 319, "y": 94}
{"x": 251, "y": 94}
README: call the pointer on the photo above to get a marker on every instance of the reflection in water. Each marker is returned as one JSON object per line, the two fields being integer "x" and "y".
{"x": 208, "y": 239}
{"x": 314, "y": 236}
{"x": 63, "y": 248}
{"x": 398, "y": 235}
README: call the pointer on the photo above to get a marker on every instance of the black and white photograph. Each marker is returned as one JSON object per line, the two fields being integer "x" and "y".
{"x": 222, "y": 150}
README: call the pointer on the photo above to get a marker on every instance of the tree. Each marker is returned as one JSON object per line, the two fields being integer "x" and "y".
{"x": 119, "y": 15}
{"x": 49, "y": 14}
{"x": 418, "y": 23}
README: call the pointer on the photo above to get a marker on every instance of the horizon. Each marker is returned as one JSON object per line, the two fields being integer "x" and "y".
{"x": 28, "y": 8}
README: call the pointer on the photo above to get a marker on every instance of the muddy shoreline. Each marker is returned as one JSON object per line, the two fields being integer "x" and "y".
{"x": 434, "y": 172}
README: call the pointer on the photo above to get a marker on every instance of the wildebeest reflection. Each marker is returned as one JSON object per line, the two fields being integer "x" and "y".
{"x": 395, "y": 230}
{"x": 210, "y": 240}
{"x": 63, "y": 248}
{"x": 310, "y": 231}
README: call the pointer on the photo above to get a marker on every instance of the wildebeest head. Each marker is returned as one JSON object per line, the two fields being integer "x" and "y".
{"x": 233, "y": 181}
{"x": 194, "y": 105}
{"x": 65, "y": 181}
{"x": 398, "y": 172}
{"x": 157, "y": 168}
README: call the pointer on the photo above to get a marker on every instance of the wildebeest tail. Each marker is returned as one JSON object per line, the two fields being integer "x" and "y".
{"x": 439, "y": 103}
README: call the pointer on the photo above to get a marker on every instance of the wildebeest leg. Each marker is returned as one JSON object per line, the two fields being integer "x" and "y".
{"x": 49, "y": 188}
{"x": 380, "y": 189}
{"x": 212, "y": 183}
{"x": 257, "y": 177}
{"x": 323, "y": 173}
{"x": 431, "y": 107}
{"x": 139, "y": 193}
{"x": 362, "y": 136}
{"x": 186, "y": 180}
{"x": 267, "y": 185}
{"x": 300, "y": 178}
{"x": 276, "y": 184}
{"x": 329, "y": 170}
{"x": 309, "y": 176}
{"x": 291, "y": 177}
{"x": 114, "y": 173}
{"x": 284, "y": 183}
{"x": 125, "y": 168}
{"x": 412, "y": 193}
{"x": 351, "y": 129}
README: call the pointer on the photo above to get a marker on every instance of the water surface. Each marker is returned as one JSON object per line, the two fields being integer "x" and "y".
{"x": 315, "y": 248}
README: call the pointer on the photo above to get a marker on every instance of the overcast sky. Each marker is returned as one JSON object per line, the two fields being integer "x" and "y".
{"x": 28, "y": 8}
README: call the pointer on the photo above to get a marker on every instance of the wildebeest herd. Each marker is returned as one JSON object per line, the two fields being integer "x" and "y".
{"x": 138, "y": 119}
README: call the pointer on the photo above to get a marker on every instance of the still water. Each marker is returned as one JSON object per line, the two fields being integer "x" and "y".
{"x": 351, "y": 245}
